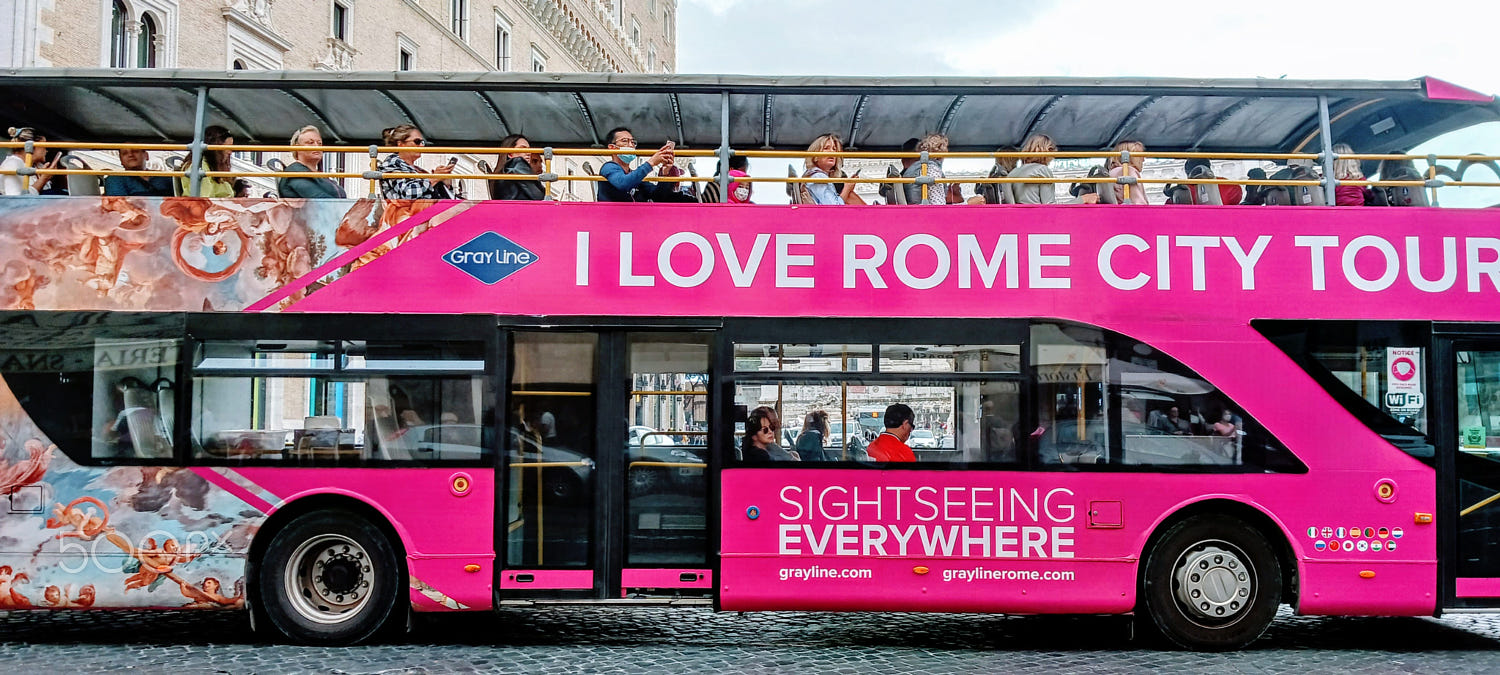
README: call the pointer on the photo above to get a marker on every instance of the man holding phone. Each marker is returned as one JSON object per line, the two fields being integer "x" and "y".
{"x": 622, "y": 184}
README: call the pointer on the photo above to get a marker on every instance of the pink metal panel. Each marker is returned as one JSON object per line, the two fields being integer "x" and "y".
{"x": 666, "y": 578}
{"x": 564, "y": 580}
{"x": 1396, "y": 589}
{"x": 1478, "y": 587}
{"x": 1439, "y": 90}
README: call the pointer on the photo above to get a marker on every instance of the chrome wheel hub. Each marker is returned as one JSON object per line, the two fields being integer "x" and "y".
{"x": 329, "y": 578}
{"x": 1213, "y": 582}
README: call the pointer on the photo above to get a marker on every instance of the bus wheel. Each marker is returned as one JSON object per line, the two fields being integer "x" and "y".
{"x": 328, "y": 577}
{"x": 1211, "y": 583}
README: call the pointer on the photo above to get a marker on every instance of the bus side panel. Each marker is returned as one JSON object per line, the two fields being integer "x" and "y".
{"x": 444, "y": 518}
{"x": 1061, "y": 542}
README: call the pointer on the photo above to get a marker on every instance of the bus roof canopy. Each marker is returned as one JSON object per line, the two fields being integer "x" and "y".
{"x": 478, "y": 108}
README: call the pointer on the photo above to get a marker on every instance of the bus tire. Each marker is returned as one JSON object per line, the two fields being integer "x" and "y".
{"x": 328, "y": 578}
{"x": 1211, "y": 583}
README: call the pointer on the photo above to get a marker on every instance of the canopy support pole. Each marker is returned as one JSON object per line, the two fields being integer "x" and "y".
{"x": 724, "y": 151}
{"x": 1325, "y": 129}
{"x": 195, "y": 164}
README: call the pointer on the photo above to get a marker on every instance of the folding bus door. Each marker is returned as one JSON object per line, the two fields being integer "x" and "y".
{"x": 606, "y": 469}
{"x": 1472, "y": 446}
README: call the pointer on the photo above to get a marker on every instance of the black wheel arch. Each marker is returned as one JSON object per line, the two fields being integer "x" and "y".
{"x": 1246, "y": 513}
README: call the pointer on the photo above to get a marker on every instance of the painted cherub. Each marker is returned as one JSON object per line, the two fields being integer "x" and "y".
{"x": 10, "y": 598}
{"x": 208, "y": 596}
{"x": 86, "y": 524}
{"x": 63, "y": 597}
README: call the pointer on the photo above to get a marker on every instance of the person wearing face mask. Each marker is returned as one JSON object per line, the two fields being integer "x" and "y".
{"x": 623, "y": 184}
{"x": 308, "y": 160}
{"x": 526, "y": 164}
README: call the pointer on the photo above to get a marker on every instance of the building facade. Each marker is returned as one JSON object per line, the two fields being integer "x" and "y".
{"x": 605, "y": 36}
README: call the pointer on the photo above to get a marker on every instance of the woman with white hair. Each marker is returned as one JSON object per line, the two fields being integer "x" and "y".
{"x": 1348, "y": 169}
{"x": 308, "y": 161}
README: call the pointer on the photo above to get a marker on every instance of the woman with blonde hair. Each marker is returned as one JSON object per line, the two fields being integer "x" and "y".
{"x": 1035, "y": 163}
{"x": 1133, "y": 169}
{"x": 936, "y": 193}
{"x": 1348, "y": 169}
{"x": 825, "y": 166}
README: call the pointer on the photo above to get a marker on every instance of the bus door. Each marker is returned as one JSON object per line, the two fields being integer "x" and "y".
{"x": 1472, "y": 445}
{"x": 606, "y": 473}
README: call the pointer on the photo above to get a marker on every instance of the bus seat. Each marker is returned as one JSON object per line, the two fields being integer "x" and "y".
{"x": 166, "y": 404}
{"x": 484, "y": 167}
{"x": 898, "y": 190}
{"x": 793, "y": 190}
{"x": 710, "y": 193}
{"x": 81, "y": 185}
{"x": 588, "y": 168}
{"x": 275, "y": 164}
{"x": 322, "y": 422}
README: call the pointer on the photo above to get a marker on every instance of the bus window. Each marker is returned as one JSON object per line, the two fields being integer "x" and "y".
{"x": 950, "y": 358}
{"x": 1069, "y": 363}
{"x": 1478, "y": 462}
{"x": 666, "y": 454}
{"x": 330, "y": 402}
{"x": 1356, "y": 363}
{"x": 763, "y": 357}
{"x": 549, "y": 498}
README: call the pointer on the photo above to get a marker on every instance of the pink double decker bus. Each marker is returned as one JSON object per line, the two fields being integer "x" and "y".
{"x": 331, "y": 413}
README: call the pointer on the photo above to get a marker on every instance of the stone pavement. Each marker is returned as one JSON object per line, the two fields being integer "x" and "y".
{"x": 689, "y": 640}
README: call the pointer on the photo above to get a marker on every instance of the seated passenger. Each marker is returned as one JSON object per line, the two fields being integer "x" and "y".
{"x": 936, "y": 193}
{"x": 405, "y": 162}
{"x": 999, "y": 193}
{"x": 1035, "y": 164}
{"x": 1348, "y": 169}
{"x": 11, "y": 184}
{"x": 826, "y": 166}
{"x": 529, "y": 164}
{"x": 213, "y": 160}
{"x": 1400, "y": 195}
{"x": 1090, "y": 193}
{"x": 308, "y": 160}
{"x": 890, "y": 445}
{"x": 623, "y": 184}
{"x": 1133, "y": 169}
{"x": 739, "y": 192}
{"x": 1227, "y": 426}
{"x": 1199, "y": 167}
{"x": 762, "y": 428}
{"x": 814, "y": 434}
{"x": 133, "y": 159}
{"x": 1171, "y": 423}
{"x": 241, "y": 188}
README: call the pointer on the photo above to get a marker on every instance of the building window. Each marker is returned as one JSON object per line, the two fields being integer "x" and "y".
{"x": 119, "y": 38}
{"x": 405, "y": 61}
{"x": 651, "y": 6}
{"x": 635, "y": 33}
{"x": 341, "y": 21}
{"x": 502, "y": 43}
{"x": 619, "y": 8}
{"x": 538, "y": 61}
{"x": 239, "y": 64}
{"x": 147, "y": 45}
{"x": 651, "y": 57}
{"x": 666, "y": 24}
{"x": 406, "y": 53}
{"x": 460, "y": 19}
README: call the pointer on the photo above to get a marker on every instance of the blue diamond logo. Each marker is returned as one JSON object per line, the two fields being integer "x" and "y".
{"x": 490, "y": 257}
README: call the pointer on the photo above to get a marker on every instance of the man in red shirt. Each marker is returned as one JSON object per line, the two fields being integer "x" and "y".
{"x": 890, "y": 445}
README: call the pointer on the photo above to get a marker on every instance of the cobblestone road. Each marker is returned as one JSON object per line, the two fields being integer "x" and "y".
{"x": 687, "y": 640}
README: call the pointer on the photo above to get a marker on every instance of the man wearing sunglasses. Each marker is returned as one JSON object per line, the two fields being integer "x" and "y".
{"x": 890, "y": 445}
{"x": 622, "y": 184}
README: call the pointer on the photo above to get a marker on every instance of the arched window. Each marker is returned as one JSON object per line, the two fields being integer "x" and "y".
{"x": 239, "y": 65}
{"x": 147, "y": 51}
{"x": 119, "y": 38}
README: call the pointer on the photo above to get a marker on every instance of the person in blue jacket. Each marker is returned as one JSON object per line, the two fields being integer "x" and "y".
{"x": 622, "y": 184}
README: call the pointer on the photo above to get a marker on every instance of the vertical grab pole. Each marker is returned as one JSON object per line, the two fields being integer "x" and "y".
{"x": 724, "y": 151}
{"x": 374, "y": 171}
{"x": 195, "y": 161}
{"x": 30, "y": 163}
{"x": 1325, "y": 129}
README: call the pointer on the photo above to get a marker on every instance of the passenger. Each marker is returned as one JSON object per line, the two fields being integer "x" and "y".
{"x": 936, "y": 193}
{"x": 405, "y": 162}
{"x": 1035, "y": 164}
{"x": 213, "y": 160}
{"x": 1088, "y": 193}
{"x": 1171, "y": 423}
{"x": 739, "y": 192}
{"x": 1229, "y": 193}
{"x": 1133, "y": 170}
{"x": 1348, "y": 169}
{"x": 11, "y": 184}
{"x": 814, "y": 434}
{"x": 1226, "y": 426}
{"x": 999, "y": 193}
{"x": 133, "y": 159}
{"x": 529, "y": 164}
{"x": 908, "y": 147}
{"x": 621, "y": 183}
{"x": 309, "y": 161}
{"x": 241, "y": 188}
{"x": 762, "y": 428}
{"x": 890, "y": 445}
{"x": 826, "y": 166}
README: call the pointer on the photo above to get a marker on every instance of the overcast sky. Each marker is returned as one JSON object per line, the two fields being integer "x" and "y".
{"x": 1453, "y": 40}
